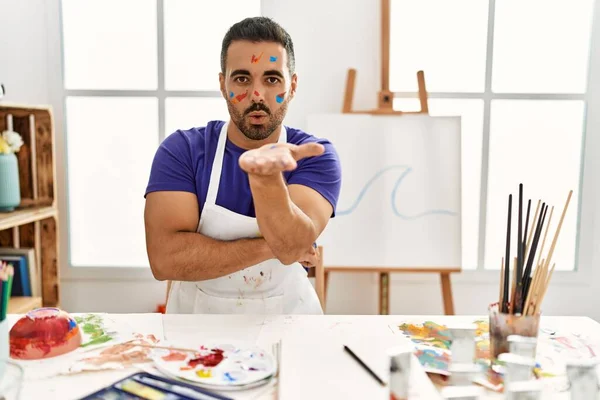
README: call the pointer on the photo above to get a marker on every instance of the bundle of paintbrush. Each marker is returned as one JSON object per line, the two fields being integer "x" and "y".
{"x": 522, "y": 290}
{"x": 6, "y": 278}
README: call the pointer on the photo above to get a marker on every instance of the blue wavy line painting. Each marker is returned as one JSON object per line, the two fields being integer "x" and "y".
{"x": 365, "y": 189}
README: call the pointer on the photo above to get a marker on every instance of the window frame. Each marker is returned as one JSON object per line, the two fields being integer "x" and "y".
{"x": 583, "y": 249}
{"x": 590, "y": 169}
{"x": 59, "y": 95}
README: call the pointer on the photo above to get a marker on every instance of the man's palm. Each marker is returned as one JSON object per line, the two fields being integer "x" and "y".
{"x": 274, "y": 158}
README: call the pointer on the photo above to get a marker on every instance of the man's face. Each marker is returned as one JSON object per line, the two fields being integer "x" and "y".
{"x": 257, "y": 87}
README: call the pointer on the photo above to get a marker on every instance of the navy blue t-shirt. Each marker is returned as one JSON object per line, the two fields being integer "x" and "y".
{"x": 183, "y": 162}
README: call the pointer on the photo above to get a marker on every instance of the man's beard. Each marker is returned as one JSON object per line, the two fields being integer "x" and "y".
{"x": 257, "y": 132}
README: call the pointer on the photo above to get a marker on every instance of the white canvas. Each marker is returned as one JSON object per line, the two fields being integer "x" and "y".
{"x": 400, "y": 201}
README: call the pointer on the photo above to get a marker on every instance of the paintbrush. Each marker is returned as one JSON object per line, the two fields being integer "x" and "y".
{"x": 524, "y": 242}
{"x": 541, "y": 287}
{"x": 532, "y": 253}
{"x": 365, "y": 367}
{"x": 504, "y": 305}
{"x": 154, "y": 346}
{"x": 537, "y": 210}
{"x": 519, "y": 274}
{"x": 520, "y": 232}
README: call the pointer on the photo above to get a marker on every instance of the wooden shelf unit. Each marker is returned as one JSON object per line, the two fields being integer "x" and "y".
{"x": 34, "y": 224}
{"x": 21, "y": 305}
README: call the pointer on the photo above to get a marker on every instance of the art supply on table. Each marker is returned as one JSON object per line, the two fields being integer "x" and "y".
{"x": 466, "y": 392}
{"x": 119, "y": 355}
{"x": 6, "y": 282}
{"x": 364, "y": 366}
{"x": 142, "y": 385}
{"x": 43, "y": 333}
{"x": 399, "y": 361}
{"x": 464, "y": 374}
{"x": 524, "y": 390}
{"x": 516, "y": 368}
{"x": 524, "y": 286}
{"x": 462, "y": 345}
{"x": 6, "y": 275}
{"x": 503, "y": 325}
{"x": 218, "y": 366}
{"x": 155, "y": 346}
{"x": 522, "y": 345}
{"x": 583, "y": 379}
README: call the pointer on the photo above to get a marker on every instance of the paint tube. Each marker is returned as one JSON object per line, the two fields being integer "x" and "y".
{"x": 462, "y": 346}
{"x": 583, "y": 379}
{"x": 522, "y": 345}
{"x": 464, "y": 374}
{"x": 524, "y": 390}
{"x": 399, "y": 362}
{"x": 517, "y": 368}
{"x": 465, "y": 392}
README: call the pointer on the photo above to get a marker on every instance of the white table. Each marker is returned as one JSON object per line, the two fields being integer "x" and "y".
{"x": 313, "y": 365}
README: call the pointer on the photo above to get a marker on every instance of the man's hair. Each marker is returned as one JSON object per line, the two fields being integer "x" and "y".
{"x": 259, "y": 29}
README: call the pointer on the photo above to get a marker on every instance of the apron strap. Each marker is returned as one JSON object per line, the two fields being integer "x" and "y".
{"x": 217, "y": 167}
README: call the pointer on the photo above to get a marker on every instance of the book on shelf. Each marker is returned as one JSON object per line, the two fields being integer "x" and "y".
{"x": 26, "y": 281}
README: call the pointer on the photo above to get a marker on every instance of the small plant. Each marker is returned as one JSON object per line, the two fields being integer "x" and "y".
{"x": 10, "y": 142}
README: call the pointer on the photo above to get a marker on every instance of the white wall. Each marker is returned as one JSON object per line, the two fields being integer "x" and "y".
{"x": 23, "y": 51}
{"x": 325, "y": 49}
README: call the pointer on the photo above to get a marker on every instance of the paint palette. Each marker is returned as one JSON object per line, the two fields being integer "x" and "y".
{"x": 218, "y": 366}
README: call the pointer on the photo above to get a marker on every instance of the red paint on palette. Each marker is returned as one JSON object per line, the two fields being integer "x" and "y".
{"x": 210, "y": 360}
{"x": 174, "y": 356}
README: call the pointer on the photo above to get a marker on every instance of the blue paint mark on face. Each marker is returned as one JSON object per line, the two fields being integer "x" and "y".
{"x": 230, "y": 94}
{"x": 228, "y": 377}
{"x": 279, "y": 99}
{"x": 272, "y": 58}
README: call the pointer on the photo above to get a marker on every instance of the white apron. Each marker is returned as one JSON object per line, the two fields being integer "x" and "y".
{"x": 265, "y": 288}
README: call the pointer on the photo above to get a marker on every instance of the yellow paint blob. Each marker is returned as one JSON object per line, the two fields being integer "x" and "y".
{"x": 204, "y": 373}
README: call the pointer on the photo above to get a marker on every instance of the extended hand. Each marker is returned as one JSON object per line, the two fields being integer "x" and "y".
{"x": 274, "y": 158}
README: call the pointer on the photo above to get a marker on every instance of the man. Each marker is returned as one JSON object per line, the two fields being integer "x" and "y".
{"x": 234, "y": 208}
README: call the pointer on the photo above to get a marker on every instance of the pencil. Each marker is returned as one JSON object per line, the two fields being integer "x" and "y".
{"x": 6, "y": 290}
{"x": 5, "y": 295}
{"x": 369, "y": 370}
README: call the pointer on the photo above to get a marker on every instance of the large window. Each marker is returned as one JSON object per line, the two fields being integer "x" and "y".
{"x": 516, "y": 71}
{"x": 134, "y": 71}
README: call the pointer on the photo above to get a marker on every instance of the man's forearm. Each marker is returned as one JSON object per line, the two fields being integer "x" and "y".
{"x": 286, "y": 228}
{"x": 189, "y": 256}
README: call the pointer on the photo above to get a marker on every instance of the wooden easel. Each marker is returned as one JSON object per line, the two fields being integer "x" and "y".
{"x": 385, "y": 107}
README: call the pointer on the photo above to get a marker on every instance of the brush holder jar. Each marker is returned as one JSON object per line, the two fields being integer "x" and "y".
{"x": 504, "y": 325}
